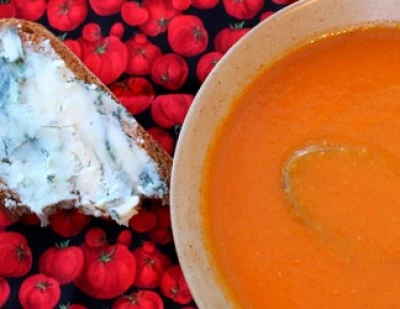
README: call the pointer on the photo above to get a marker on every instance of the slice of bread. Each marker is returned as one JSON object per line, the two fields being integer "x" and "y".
{"x": 65, "y": 140}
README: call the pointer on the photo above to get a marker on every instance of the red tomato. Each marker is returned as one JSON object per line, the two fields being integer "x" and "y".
{"x": 162, "y": 212}
{"x": 206, "y": 63}
{"x": 68, "y": 222}
{"x": 91, "y": 32}
{"x": 90, "y": 254}
{"x": 15, "y": 255}
{"x": 144, "y": 221}
{"x": 118, "y": 30}
{"x": 174, "y": 286}
{"x": 265, "y": 15}
{"x": 244, "y": 9}
{"x": 107, "y": 273}
{"x": 160, "y": 235}
{"x": 7, "y": 10}
{"x": 107, "y": 58}
{"x": 62, "y": 263}
{"x": 74, "y": 46}
{"x": 227, "y": 37}
{"x": 30, "y": 9}
{"x": 161, "y": 13}
{"x": 163, "y": 138}
{"x": 170, "y": 110}
{"x": 139, "y": 300}
{"x": 39, "y": 292}
{"x": 66, "y": 15}
{"x": 204, "y": 4}
{"x": 151, "y": 264}
{"x": 181, "y": 4}
{"x": 106, "y": 7}
{"x": 4, "y": 292}
{"x": 187, "y": 35}
{"x": 170, "y": 71}
{"x": 136, "y": 94}
{"x": 96, "y": 238}
{"x": 125, "y": 238}
{"x": 134, "y": 14}
{"x": 141, "y": 55}
{"x": 29, "y": 219}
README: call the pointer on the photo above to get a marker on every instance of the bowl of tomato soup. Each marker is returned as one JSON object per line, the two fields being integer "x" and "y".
{"x": 286, "y": 180}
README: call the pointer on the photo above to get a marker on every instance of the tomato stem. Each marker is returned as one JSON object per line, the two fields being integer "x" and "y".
{"x": 198, "y": 34}
{"x": 101, "y": 49}
{"x": 214, "y": 61}
{"x": 132, "y": 298}
{"x": 150, "y": 261}
{"x": 177, "y": 129}
{"x": 163, "y": 22}
{"x": 164, "y": 78}
{"x": 63, "y": 244}
{"x": 174, "y": 291}
{"x": 107, "y": 257}
{"x": 21, "y": 253}
{"x": 237, "y": 26}
{"x": 64, "y": 8}
{"x": 43, "y": 285}
{"x": 141, "y": 51}
{"x": 63, "y": 36}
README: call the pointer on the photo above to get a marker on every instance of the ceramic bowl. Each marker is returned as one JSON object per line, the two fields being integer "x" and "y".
{"x": 262, "y": 46}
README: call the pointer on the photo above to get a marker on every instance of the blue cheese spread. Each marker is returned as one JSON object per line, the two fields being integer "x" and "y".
{"x": 63, "y": 140}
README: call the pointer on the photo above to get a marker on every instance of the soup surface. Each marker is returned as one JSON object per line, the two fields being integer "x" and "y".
{"x": 302, "y": 189}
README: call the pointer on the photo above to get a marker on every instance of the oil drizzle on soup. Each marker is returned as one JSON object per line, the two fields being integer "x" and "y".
{"x": 334, "y": 241}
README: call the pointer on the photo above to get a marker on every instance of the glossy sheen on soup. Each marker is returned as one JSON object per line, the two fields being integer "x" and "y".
{"x": 302, "y": 185}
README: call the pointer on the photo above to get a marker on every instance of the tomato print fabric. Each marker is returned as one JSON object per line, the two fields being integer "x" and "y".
{"x": 154, "y": 55}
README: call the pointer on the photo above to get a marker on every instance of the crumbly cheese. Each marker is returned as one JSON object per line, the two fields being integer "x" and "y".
{"x": 62, "y": 139}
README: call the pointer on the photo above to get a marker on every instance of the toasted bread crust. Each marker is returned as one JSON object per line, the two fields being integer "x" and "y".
{"x": 35, "y": 33}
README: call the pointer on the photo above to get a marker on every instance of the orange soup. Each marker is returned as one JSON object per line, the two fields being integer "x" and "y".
{"x": 302, "y": 189}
